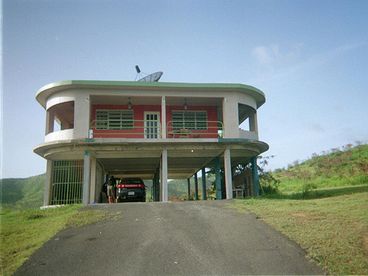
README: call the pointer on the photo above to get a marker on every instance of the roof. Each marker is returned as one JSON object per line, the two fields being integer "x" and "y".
{"x": 51, "y": 88}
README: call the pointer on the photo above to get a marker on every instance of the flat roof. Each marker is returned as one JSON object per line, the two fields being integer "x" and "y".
{"x": 47, "y": 90}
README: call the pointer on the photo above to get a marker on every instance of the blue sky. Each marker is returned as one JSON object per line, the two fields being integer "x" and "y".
{"x": 309, "y": 57}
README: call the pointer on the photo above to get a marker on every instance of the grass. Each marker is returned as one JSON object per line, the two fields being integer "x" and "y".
{"x": 24, "y": 231}
{"x": 333, "y": 230}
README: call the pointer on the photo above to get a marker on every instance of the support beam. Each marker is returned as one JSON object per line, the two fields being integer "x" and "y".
{"x": 163, "y": 117}
{"x": 48, "y": 183}
{"x": 92, "y": 196}
{"x": 255, "y": 177}
{"x": 218, "y": 178}
{"x": 86, "y": 177}
{"x": 196, "y": 186}
{"x": 228, "y": 174}
{"x": 188, "y": 180}
{"x": 204, "y": 187}
{"x": 164, "y": 187}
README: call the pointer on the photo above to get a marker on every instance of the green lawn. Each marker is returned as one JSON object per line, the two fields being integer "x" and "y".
{"x": 332, "y": 229}
{"x": 22, "y": 232}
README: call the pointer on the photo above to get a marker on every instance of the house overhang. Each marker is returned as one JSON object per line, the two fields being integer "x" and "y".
{"x": 185, "y": 156}
{"x": 54, "y": 87}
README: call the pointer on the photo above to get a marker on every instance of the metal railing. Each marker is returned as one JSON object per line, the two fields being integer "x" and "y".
{"x": 151, "y": 129}
{"x": 194, "y": 129}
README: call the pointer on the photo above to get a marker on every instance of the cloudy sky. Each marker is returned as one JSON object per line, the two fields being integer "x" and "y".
{"x": 309, "y": 57}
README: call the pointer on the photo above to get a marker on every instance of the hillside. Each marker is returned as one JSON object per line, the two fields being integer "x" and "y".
{"x": 22, "y": 192}
{"x": 339, "y": 167}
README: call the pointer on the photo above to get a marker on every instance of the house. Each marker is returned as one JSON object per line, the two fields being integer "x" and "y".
{"x": 152, "y": 130}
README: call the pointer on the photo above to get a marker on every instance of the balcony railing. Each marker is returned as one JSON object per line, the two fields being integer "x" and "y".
{"x": 194, "y": 129}
{"x": 149, "y": 129}
{"x": 146, "y": 129}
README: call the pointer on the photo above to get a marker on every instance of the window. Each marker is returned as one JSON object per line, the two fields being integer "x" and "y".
{"x": 114, "y": 119}
{"x": 196, "y": 120}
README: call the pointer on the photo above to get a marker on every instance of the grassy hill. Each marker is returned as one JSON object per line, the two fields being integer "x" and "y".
{"x": 22, "y": 192}
{"x": 338, "y": 168}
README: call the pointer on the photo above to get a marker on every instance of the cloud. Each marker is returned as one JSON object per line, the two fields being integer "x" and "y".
{"x": 277, "y": 63}
{"x": 272, "y": 55}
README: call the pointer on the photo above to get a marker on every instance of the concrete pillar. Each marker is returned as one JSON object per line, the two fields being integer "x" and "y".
{"x": 164, "y": 187}
{"x": 218, "y": 178}
{"x": 86, "y": 177}
{"x": 188, "y": 180}
{"x": 255, "y": 178}
{"x": 48, "y": 183}
{"x": 163, "y": 117}
{"x": 81, "y": 116}
{"x": 253, "y": 124}
{"x": 204, "y": 187}
{"x": 196, "y": 187}
{"x": 228, "y": 174}
{"x": 92, "y": 194}
{"x": 230, "y": 117}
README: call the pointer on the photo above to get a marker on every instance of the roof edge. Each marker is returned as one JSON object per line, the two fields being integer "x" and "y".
{"x": 60, "y": 85}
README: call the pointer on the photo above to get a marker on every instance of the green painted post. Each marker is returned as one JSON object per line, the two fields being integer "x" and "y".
{"x": 218, "y": 179}
{"x": 255, "y": 176}
{"x": 196, "y": 186}
{"x": 204, "y": 188}
{"x": 188, "y": 179}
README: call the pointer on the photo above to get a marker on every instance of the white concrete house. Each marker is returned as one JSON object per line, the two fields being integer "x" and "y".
{"x": 152, "y": 130}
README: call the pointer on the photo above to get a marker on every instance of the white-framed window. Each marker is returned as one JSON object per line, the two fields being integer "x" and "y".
{"x": 195, "y": 120}
{"x": 114, "y": 119}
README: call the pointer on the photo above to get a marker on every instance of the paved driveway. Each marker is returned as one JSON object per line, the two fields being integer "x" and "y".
{"x": 188, "y": 238}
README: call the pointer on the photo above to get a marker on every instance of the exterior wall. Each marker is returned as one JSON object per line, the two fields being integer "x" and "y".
{"x": 136, "y": 132}
{"x": 139, "y": 110}
{"x": 211, "y": 132}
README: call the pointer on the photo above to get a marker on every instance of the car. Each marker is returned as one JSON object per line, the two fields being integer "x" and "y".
{"x": 131, "y": 189}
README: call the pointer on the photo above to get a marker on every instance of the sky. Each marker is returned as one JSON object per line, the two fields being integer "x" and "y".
{"x": 310, "y": 58}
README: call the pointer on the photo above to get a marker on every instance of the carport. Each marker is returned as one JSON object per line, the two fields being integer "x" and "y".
{"x": 163, "y": 161}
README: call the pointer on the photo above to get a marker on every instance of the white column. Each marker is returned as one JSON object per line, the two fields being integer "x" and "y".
{"x": 92, "y": 196}
{"x": 163, "y": 117}
{"x": 48, "y": 183}
{"x": 230, "y": 117}
{"x": 164, "y": 187}
{"x": 86, "y": 177}
{"x": 228, "y": 176}
{"x": 81, "y": 116}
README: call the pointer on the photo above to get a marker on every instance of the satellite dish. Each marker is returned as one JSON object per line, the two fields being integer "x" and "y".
{"x": 154, "y": 77}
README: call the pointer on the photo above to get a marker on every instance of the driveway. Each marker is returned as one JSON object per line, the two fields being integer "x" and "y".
{"x": 187, "y": 238}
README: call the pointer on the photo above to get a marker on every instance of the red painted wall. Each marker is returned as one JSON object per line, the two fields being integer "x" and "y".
{"x": 138, "y": 130}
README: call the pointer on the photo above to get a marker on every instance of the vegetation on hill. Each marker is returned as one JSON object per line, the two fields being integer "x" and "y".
{"x": 22, "y": 192}
{"x": 339, "y": 167}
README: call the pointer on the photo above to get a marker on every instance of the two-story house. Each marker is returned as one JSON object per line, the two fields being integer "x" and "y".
{"x": 151, "y": 130}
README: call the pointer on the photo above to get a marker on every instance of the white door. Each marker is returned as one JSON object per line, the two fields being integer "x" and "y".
{"x": 152, "y": 125}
